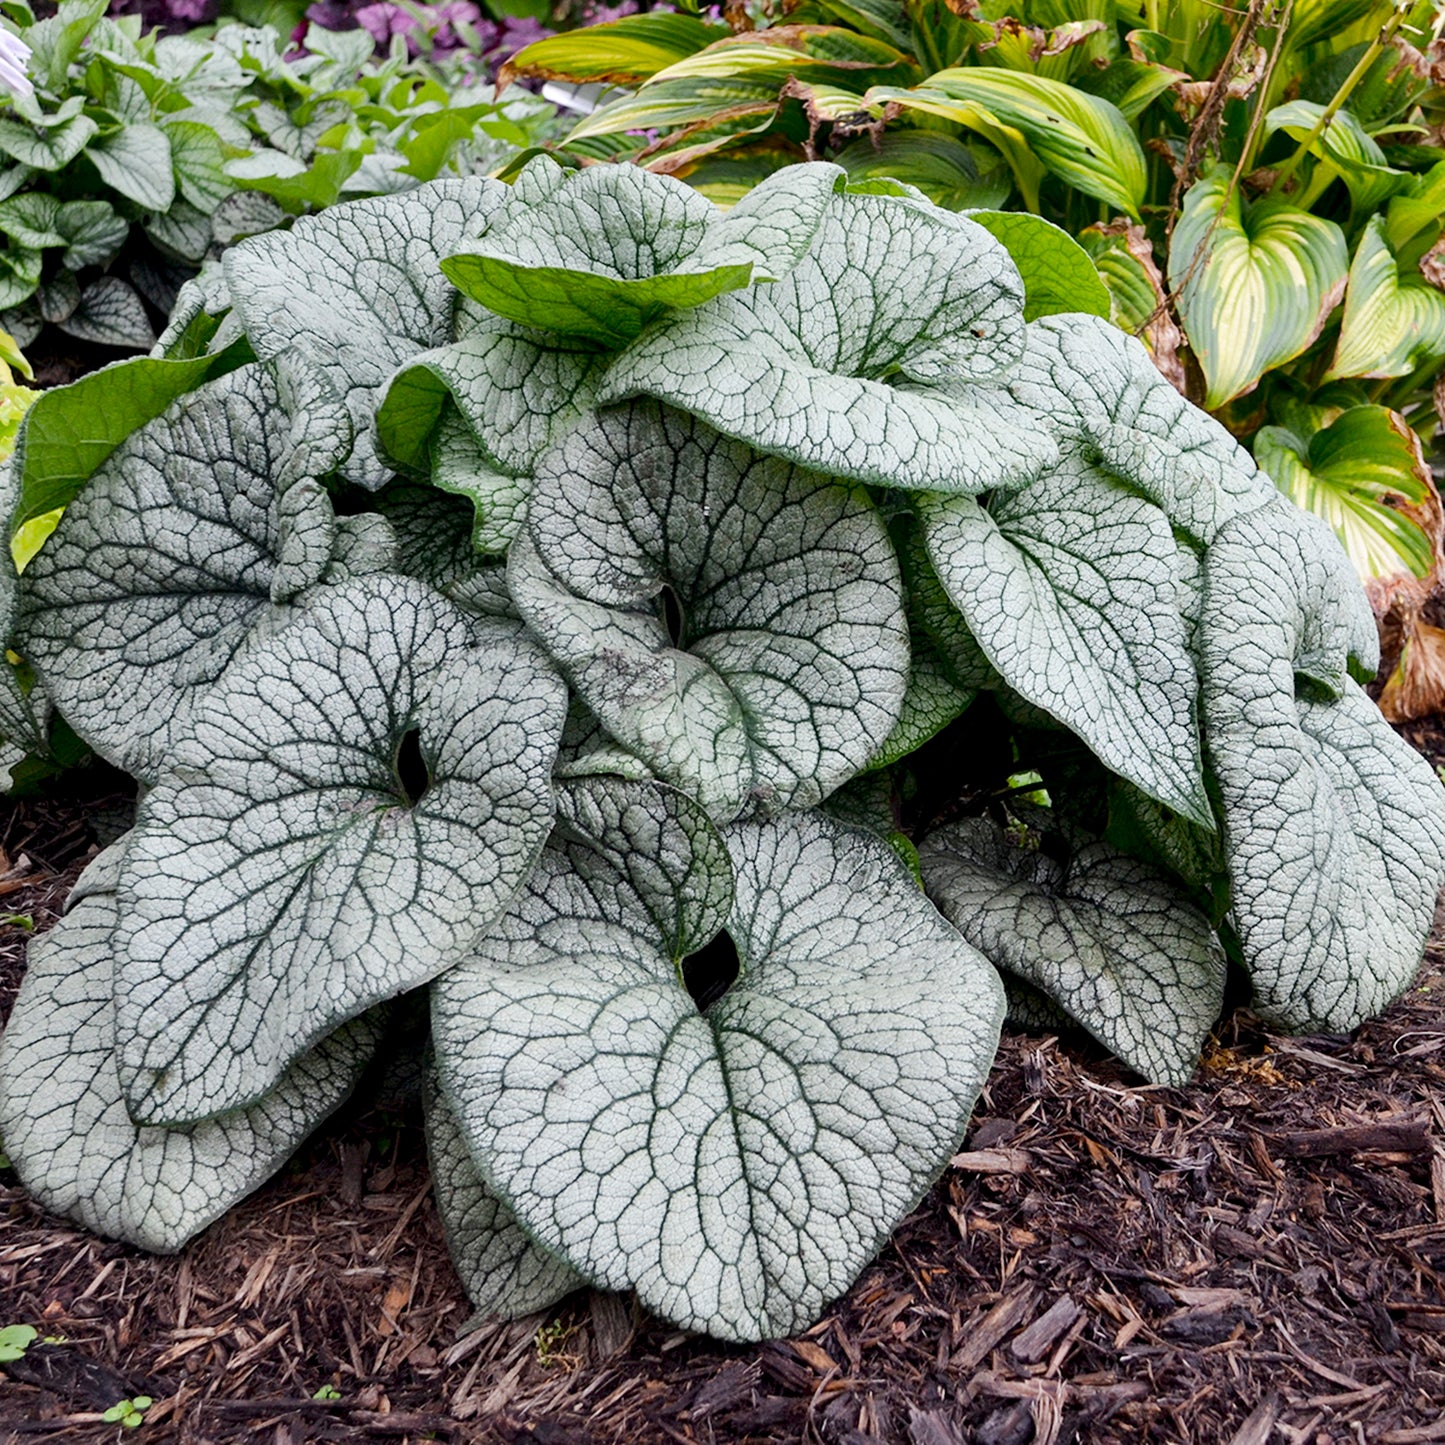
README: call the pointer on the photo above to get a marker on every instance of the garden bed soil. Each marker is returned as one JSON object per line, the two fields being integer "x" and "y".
{"x": 1255, "y": 1258}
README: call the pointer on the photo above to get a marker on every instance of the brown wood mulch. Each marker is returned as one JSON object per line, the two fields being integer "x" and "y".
{"x": 1255, "y": 1258}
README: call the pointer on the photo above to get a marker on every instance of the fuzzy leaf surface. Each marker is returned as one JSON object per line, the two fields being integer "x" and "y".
{"x": 358, "y": 290}
{"x": 793, "y": 657}
{"x": 1114, "y": 943}
{"x": 289, "y": 870}
{"x": 1334, "y": 828}
{"x": 64, "y": 1119}
{"x": 736, "y": 1167}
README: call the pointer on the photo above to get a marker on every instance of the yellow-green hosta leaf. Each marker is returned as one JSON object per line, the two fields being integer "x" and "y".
{"x": 1256, "y": 283}
{"x": 1349, "y": 473}
{"x": 1081, "y": 138}
{"x": 1057, "y": 272}
{"x": 811, "y": 53}
{"x": 1393, "y": 324}
{"x": 668, "y": 104}
{"x": 1344, "y": 145}
{"x": 621, "y": 51}
{"x": 944, "y": 168}
{"x": 1420, "y": 205}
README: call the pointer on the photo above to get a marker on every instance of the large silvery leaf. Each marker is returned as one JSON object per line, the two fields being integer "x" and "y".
{"x": 432, "y": 536}
{"x": 22, "y": 711}
{"x": 505, "y": 1272}
{"x": 1098, "y": 384}
{"x": 1068, "y": 585}
{"x": 837, "y": 365}
{"x": 733, "y": 621}
{"x": 1256, "y": 282}
{"x": 1114, "y": 943}
{"x": 352, "y": 803}
{"x": 357, "y": 289}
{"x": 1334, "y": 828}
{"x": 599, "y": 253}
{"x": 175, "y": 552}
{"x": 736, "y": 1164}
{"x": 64, "y": 1120}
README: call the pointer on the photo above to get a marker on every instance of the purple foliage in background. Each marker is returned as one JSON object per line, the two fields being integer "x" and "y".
{"x": 429, "y": 29}
{"x": 172, "y": 16}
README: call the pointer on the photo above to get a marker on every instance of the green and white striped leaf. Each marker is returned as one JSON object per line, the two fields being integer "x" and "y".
{"x": 1256, "y": 282}
{"x": 668, "y": 105}
{"x": 1115, "y": 944}
{"x": 1068, "y": 586}
{"x": 1344, "y": 145}
{"x": 621, "y": 51}
{"x": 64, "y": 1120}
{"x": 351, "y": 806}
{"x": 1393, "y": 324}
{"x": 1361, "y": 473}
{"x": 1334, "y": 827}
{"x": 784, "y": 663}
{"x": 357, "y": 291}
{"x": 803, "y": 1112}
{"x": 161, "y": 570}
{"x": 843, "y": 364}
{"x": 1081, "y": 138}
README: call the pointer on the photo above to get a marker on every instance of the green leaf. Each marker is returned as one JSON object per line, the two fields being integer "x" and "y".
{"x": 164, "y": 564}
{"x": 599, "y": 253}
{"x": 1068, "y": 586}
{"x": 199, "y": 163}
{"x": 806, "y": 1109}
{"x": 357, "y": 291}
{"x": 1081, "y": 138}
{"x": 136, "y": 161}
{"x": 51, "y": 145}
{"x": 781, "y": 667}
{"x": 621, "y": 51}
{"x": 352, "y": 804}
{"x": 1111, "y": 941}
{"x": 1393, "y": 324}
{"x": 825, "y": 56}
{"x": 945, "y": 169}
{"x": 64, "y": 1120}
{"x": 70, "y": 431}
{"x": 1334, "y": 827}
{"x": 1056, "y": 271}
{"x": 296, "y": 186}
{"x": 504, "y": 1271}
{"x": 111, "y": 314}
{"x": 1256, "y": 283}
{"x": 1344, "y": 145}
{"x": 1358, "y": 473}
{"x": 15, "y": 1340}
{"x": 821, "y": 366}
{"x": 29, "y": 219}
{"x": 1419, "y": 206}
{"x": 93, "y": 232}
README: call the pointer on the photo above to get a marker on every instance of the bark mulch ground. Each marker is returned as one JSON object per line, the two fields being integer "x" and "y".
{"x": 1255, "y": 1258}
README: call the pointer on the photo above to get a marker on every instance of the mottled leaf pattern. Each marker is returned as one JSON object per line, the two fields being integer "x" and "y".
{"x": 64, "y": 1120}
{"x": 737, "y": 1167}
{"x": 793, "y": 658}
{"x": 1108, "y": 939}
{"x": 290, "y": 868}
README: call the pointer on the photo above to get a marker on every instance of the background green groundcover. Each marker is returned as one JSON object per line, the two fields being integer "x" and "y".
{"x": 709, "y": 658}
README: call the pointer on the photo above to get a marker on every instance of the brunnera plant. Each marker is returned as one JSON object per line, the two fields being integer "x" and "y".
{"x": 710, "y": 657}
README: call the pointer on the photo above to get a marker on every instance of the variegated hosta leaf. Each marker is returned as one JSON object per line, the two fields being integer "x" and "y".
{"x": 813, "y": 367}
{"x": 1334, "y": 827}
{"x": 352, "y": 803}
{"x": 784, "y": 662}
{"x": 357, "y": 290}
{"x": 1068, "y": 586}
{"x": 1114, "y": 943}
{"x": 64, "y": 1120}
{"x": 177, "y": 550}
{"x": 1093, "y": 381}
{"x": 601, "y": 252}
{"x": 736, "y": 1166}
{"x": 1392, "y": 323}
{"x": 504, "y": 1271}
{"x": 1256, "y": 282}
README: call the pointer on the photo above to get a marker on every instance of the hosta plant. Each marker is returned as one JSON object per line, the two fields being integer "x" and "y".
{"x": 709, "y": 658}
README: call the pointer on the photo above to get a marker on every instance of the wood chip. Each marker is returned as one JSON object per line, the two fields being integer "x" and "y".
{"x": 1038, "y": 1339}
